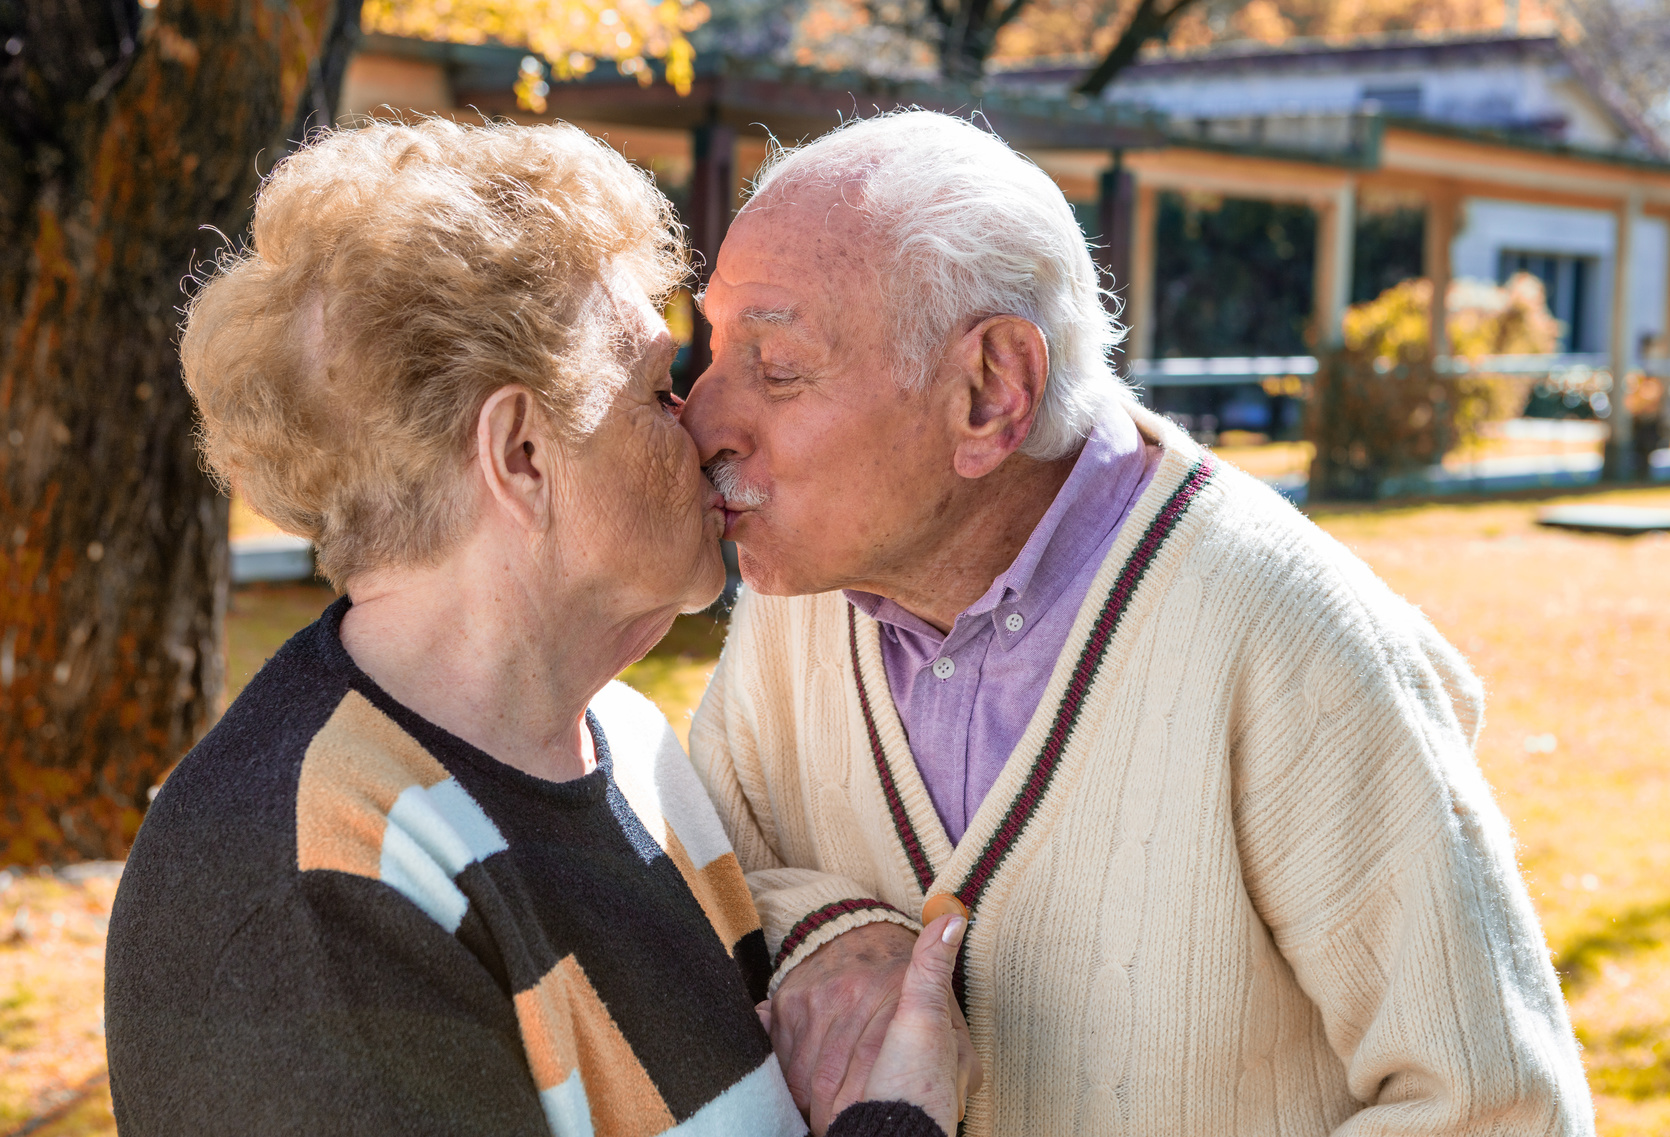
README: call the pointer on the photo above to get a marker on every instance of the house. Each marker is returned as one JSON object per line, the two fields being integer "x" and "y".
{"x": 1479, "y": 156}
{"x": 1533, "y": 90}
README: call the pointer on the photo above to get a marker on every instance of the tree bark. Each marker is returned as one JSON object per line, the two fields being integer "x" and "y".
{"x": 968, "y": 33}
{"x": 126, "y": 134}
{"x": 1150, "y": 20}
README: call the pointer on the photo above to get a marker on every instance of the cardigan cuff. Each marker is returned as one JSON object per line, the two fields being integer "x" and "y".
{"x": 884, "y": 1119}
{"x": 820, "y": 926}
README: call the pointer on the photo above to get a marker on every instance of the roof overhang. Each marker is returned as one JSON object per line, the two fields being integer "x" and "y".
{"x": 1417, "y": 157}
{"x": 790, "y": 103}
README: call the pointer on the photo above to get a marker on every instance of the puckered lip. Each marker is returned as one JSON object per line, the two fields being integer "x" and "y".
{"x": 733, "y": 517}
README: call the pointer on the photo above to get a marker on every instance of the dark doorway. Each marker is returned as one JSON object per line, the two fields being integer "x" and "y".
{"x": 1232, "y": 277}
{"x": 1390, "y": 244}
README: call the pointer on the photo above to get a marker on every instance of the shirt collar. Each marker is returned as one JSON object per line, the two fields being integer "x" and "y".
{"x": 1089, "y": 504}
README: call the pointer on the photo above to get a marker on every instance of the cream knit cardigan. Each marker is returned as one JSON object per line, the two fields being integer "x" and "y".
{"x": 1241, "y": 875}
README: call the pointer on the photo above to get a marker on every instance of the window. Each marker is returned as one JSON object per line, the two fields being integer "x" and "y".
{"x": 1403, "y": 102}
{"x": 1566, "y": 279}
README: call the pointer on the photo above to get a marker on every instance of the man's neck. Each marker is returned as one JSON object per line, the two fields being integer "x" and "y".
{"x": 490, "y": 652}
{"x": 987, "y": 532}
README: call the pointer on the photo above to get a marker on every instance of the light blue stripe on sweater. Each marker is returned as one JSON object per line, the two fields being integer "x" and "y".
{"x": 566, "y": 1109}
{"x": 759, "y": 1105}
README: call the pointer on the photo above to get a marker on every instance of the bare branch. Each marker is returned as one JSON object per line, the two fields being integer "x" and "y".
{"x": 1150, "y": 20}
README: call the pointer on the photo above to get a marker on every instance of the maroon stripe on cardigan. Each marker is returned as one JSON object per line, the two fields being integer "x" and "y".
{"x": 890, "y": 790}
{"x": 811, "y": 923}
{"x": 1078, "y": 686}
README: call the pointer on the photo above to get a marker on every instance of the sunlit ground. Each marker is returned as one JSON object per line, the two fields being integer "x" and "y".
{"x": 1290, "y": 460}
{"x": 1570, "y": 632}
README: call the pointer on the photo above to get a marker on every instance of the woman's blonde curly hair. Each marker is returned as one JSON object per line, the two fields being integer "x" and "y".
{"x": 397, "y": 275}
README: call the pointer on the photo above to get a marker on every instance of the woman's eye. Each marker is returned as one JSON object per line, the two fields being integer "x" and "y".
{"x": 669, "y": 400}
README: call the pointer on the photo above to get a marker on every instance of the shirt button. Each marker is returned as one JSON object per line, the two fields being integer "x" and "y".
{"x": 1014, "y": 621}
{"x": 944, "y": 668}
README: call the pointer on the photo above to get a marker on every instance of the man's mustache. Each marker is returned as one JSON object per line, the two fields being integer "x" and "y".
{"x": 726, "y": 476}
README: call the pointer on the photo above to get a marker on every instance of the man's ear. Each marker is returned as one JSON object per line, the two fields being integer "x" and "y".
{"x": 1002, "y": 366}
{"x": 516, "y": 461}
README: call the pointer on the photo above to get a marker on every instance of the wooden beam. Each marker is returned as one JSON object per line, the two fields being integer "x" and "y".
{"x": 1424, "y": 184}
{"x": 1336, "y": 233}
{"x": 1664, "y": 344}
{"x": 712, "y": 194}
{"x": 1237, "y": 175}
{"x": 1114, "y": 208}
{"x": 1442, "y": 205}
{"x": 1620, "y": 439}
{"x": 1139, "y": 299}
{"x": 1523, "y": 171}
{"x": 797, "y": 105}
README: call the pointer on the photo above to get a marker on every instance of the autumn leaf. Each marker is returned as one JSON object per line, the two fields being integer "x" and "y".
{"x": 572, "y": 35}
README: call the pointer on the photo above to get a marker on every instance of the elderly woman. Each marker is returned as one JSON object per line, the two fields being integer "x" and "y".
{"x": 433, "y": 872}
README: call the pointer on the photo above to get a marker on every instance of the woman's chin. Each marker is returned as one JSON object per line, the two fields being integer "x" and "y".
{"x": 709, "y": 588}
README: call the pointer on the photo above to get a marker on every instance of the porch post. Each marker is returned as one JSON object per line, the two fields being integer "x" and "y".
{"x": 712, "y": 190}
{"x": 1336, "y": 238}
{"x": 1441, "y": 209}
{"x": 1620, "y": 440}
{"x": 1139, "y": 293}
{"x": 1664, "y": 380}
{"x": 1114, "y": 206}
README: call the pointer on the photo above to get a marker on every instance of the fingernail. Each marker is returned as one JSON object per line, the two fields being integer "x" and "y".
{"x": 953, "y": 931}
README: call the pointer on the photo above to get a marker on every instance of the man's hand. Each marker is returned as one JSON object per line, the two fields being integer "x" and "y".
{"x": 831, "y": 1013}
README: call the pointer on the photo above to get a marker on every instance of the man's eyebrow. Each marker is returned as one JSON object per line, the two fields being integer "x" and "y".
{"x": 777, "y": 317}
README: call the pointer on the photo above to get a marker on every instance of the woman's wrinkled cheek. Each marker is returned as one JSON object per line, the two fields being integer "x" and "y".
{"x": 677, "y": 474}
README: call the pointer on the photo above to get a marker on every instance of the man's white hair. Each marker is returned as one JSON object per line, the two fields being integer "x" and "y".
{"x": 967, "y": 228}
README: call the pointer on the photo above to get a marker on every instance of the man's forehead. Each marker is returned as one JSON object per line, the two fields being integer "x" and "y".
{"x": 784, "y": 267}
{"x": 790, "y": 241}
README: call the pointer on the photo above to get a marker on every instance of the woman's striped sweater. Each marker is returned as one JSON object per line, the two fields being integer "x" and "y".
{"x": 340, "y": 918}
{"x": 1240, "y": 876}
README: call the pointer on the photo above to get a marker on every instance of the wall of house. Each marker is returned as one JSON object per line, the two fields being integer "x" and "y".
{"x": 375, "y": 82}
{"x": 1512, "y": 94}
{"x": 1489, "y": 227}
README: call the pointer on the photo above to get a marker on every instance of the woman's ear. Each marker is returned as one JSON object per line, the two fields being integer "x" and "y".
{"x": 1004, "y": 366}
{"x": 515, "y": 460}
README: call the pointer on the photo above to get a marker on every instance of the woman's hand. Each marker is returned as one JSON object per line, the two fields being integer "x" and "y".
{"x": 922, "y": 1060}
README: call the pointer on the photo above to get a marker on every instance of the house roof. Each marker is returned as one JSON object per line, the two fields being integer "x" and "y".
{"x": 789, "y": 102}
{"x": 797, "y": 102}
{"x": 1297, "y": 55}
{"x": 1390, "y": 52}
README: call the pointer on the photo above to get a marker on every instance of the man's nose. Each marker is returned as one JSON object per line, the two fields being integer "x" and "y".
{"x": 711, "y": 416}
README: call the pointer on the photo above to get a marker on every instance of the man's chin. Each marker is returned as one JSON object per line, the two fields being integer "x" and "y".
{"x": 767, "y": 578}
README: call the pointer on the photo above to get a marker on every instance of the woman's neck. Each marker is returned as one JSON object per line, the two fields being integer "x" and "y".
{"x": 483, "y": 649}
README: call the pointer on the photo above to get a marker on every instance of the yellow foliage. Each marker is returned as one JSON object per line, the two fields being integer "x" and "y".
{"x": 1483, "y": 319}
{"x": 1276, "y": 21}
{"x": 1380, "y": 408}
{"x": 571, "y": 34}
{"x": 1071, "y": 27}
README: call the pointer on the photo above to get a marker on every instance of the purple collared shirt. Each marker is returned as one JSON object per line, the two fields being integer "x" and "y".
{"x": 965, "y": 698}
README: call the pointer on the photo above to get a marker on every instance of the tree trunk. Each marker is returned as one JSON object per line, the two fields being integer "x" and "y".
{"x": 1150, "y": 20}
{"x": 968, "y": 33}
{"x": 126, "y": 133}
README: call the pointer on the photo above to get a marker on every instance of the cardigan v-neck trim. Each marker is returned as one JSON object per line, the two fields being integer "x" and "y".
{"x": 934, "y": 864}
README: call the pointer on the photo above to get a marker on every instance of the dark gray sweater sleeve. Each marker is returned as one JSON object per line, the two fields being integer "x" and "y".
{"x": 884, "y": 1119}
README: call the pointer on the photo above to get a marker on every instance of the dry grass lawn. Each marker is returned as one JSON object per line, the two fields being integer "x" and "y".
{"x": 1570, "y": 632}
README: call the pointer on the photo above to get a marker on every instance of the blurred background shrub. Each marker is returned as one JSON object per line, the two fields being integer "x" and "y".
{"x": 1379, "y": 407}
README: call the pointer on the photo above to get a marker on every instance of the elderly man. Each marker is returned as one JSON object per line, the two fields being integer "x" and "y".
{"x": 1206, "y": 785}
